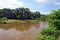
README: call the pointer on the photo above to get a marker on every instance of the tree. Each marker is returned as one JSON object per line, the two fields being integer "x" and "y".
{"x": 19, "y": 13}
{"x": 27, "y": 13}
{"x": 56, "y": 13}
{"x": 37, "y": 14}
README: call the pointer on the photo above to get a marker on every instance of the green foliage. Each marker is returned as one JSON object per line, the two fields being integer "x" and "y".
{"x": 56, "y": 24}
{"x": 48, "y": 34}
{"x": 2, "y": 21}
{"x": 37, "y": 14}
{"x": 43, "y": 18}
{"x": 53, "y": 32}
{"x": 43, "y": 37}
{"x": 51, "y": 17}
{"x": 54, "y": 15}
{"x": 19, "y": 13}
{"x": 37, "y": 19}
{"x": 57, "y": 13}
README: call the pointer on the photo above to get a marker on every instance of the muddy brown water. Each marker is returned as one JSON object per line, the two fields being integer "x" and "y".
{"x": 21, "y": 31}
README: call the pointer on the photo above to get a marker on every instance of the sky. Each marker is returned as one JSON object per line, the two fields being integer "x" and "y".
{"x": 43, "y": 6}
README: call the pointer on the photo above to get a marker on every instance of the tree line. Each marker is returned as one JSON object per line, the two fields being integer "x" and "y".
{"x": 19, "y": 13}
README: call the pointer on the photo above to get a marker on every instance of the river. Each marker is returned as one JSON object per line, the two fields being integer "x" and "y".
{"x": 21, "y": 31}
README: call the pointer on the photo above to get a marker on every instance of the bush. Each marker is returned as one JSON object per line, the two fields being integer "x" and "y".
{"x": 2, "y": 21}
{"x": 48, "y": 34}
{"x": 57, "y": 24}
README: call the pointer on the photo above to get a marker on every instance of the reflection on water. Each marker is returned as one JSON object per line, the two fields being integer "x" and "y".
{"x": 20, "y": 31}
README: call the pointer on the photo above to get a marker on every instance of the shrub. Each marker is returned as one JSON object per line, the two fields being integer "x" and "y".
{"x": 48, "y": 34}
{"x": 57, "y": 24}
{"x": 2, "y": 21}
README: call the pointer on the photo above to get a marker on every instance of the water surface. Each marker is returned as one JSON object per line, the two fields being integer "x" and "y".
{"x": 21, "y": 31}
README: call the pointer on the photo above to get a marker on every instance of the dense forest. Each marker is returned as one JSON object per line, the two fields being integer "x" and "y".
{"x": 19, "y": 13}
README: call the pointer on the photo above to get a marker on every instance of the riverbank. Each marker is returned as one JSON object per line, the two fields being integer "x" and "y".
{"x": 20, "y": 21}
{"x": 17, "y": 21}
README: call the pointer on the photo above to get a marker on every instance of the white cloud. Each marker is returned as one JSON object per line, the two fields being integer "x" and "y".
{"x": 12, "y": 4}
{"x": 41, "y": 11}
{"x": 41, "y": 1}
{"x": 57, "y": 3}
{"x": 48, "y": 1}
{"x": 45, "y": 12}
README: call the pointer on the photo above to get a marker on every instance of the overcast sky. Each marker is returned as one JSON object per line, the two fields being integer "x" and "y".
{"x": 44, "y": 6}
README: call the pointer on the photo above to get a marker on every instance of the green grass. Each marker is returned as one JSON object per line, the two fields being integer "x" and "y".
{"x": 2, "y": 21}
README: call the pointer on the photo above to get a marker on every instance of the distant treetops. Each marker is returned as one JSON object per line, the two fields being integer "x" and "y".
{"x": 19, "y": 13}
